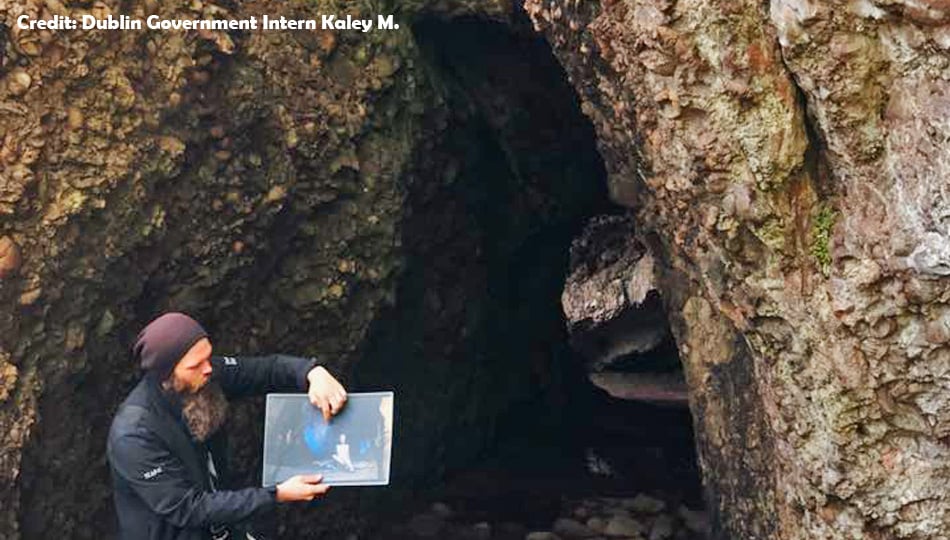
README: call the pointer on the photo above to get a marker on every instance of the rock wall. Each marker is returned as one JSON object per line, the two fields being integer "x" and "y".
{"x": 788, "y": 162}
{"x": 290, "y": 190}
{"x": 239, "y": 181}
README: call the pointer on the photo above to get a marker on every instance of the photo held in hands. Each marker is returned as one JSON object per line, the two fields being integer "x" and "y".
{"x": 351, "y": 449}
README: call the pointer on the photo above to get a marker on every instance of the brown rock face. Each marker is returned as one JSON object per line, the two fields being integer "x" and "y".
{"x": 788, "y": 162}
{"x": 114, "y": 184}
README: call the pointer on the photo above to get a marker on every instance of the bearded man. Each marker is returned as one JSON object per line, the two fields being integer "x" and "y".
{"x": 165, "y": 450}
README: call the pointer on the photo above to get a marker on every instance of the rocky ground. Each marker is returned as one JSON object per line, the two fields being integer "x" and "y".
{"x": 641, "y": 517}
{"x": 631, "y": 474}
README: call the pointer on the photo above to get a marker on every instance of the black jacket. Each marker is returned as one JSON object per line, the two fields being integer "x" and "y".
{"x": 160, "y": 474}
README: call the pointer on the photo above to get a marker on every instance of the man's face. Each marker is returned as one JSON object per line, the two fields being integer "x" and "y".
{"x": 193, "y": 371}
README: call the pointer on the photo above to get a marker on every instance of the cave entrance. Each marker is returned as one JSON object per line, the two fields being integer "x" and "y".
{"x": 510, "y": 408}
{"x": 537, "y": 415}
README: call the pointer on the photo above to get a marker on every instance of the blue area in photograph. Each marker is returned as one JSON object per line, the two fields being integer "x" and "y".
{"x": 364, "y": 446}
{"x": 316, "y": 437}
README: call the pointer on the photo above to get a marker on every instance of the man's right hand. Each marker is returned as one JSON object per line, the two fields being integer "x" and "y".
{"x": 303, "y": 487}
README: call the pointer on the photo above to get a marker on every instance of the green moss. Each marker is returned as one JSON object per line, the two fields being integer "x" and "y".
{"x": 822, "y": 222}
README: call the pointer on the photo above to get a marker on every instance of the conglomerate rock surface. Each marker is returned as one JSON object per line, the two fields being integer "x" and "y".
{"x": 789, "y": 163}
{"x": 275, "y": 185}
{"x": 166, "y": 170}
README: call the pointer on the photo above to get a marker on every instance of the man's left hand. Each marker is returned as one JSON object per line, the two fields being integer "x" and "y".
{"x": 325, "y": 392}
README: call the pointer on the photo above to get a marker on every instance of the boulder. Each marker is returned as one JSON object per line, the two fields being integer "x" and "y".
{"x": 623, "y": 526}
{"x": 569, "y": 528}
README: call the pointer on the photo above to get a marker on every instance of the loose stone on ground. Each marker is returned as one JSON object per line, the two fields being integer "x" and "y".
{"x": 642, "y": 517}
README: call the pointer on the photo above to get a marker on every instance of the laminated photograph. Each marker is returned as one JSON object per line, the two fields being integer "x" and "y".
{"x": 352, "y": 449}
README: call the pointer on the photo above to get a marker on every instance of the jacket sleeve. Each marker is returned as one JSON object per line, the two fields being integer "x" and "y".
{"x": 241, "y": 376}
{"x": 159, "y": 478}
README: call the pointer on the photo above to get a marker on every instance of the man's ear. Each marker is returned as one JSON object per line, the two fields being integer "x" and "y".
{"x": 168, "y": 383}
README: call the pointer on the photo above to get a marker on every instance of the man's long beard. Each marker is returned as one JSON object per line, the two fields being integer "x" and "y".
{"x": 204, "y": 411}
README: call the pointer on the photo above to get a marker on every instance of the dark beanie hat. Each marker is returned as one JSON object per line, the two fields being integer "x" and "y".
{"x": 161, "y": 344}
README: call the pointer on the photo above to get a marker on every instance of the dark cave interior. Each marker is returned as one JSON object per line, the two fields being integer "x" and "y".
{"x": 559, "y": 435}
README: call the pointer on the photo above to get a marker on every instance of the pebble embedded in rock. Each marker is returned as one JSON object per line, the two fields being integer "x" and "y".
{"x": 938, "y": 332}
{"x": 74, "y": 118}
{"x": 570, "y": 528}
{"x": 623, "y": 526}
{"x": 276, "y": 193}
{"x": 106, "y": 323}
{"x": 8, "y": 378}
{"x": 10, "y": 258}
{"x": 30, "y": 297}
{"x": 19, "y": 81}
{"x": 327, "y": 42}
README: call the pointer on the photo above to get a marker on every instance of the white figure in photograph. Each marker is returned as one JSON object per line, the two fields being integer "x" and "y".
{"x": 342, "y": 455}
